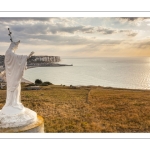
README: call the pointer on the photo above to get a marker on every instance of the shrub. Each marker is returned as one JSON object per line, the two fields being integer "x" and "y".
{"x": 38, "y": 81}
{"x": 44, "y": 84}
{"x": 47, "y": 82}
{"x": 73, "y": 87}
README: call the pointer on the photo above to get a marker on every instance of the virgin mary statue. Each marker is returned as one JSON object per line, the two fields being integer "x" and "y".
{"x": 14, "y": 113}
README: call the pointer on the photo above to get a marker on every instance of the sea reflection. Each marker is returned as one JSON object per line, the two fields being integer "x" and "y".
{"x": 133, "y": 73}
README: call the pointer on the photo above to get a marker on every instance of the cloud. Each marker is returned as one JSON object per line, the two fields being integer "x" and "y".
{"x": 25, "y": 27}
{"x": 142, "y": 44}
{"x": 26, "y": 19}
{"x": 47, "y": 28}
{"x": 58, "y": 29}
{"x": 66, "y": 35}
{"x": 130, "y": 33}
{"x": 106, "y": 30}
{"x": 132, "y": 19}
{"x": 67, "y": 40}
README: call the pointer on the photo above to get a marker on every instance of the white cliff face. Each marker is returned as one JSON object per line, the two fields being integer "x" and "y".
{"x": 13, "y": 108}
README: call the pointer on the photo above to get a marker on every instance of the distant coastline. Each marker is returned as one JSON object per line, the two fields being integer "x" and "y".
{"x": 48, "y": 65}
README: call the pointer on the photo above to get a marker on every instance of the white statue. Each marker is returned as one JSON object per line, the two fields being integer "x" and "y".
{"x": 14, "y": 114}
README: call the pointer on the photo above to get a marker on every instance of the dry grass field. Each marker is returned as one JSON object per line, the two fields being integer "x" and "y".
{"x": 88, "y": 109}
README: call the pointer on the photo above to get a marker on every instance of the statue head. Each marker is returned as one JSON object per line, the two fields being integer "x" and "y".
{"x": 14, "y": 45}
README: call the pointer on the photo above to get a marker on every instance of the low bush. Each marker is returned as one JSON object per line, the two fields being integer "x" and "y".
{"x": 47, "y": 82}
{"x": 38, "y": 81}
{"x": 44, "y": 84}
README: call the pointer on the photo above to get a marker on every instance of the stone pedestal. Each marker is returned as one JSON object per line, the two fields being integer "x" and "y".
{"x": 10, "y": 117}
{"x": 35, "y": 127}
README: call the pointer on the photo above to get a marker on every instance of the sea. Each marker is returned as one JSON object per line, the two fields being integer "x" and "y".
{"x": 119, "y": 72}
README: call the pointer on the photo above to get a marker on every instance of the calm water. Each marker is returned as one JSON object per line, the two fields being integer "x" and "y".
{"x": 133, "y": 73}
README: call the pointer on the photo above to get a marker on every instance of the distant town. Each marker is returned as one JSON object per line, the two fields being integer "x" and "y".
{"x": 42, "y": 60}
{"x": 36, "y": 60}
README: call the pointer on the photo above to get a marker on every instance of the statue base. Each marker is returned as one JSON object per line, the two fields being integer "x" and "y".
{"x": 23, "y": 118}
{"x": 35, "y": 127}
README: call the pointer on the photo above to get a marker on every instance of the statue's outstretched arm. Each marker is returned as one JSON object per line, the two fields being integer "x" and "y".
{"x": 30, "y": 54}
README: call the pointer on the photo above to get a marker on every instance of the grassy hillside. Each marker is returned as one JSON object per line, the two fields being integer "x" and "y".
{"x": 88, "y": 109}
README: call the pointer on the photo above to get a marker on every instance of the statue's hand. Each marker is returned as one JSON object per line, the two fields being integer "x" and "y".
{"x": 31, "y": 53}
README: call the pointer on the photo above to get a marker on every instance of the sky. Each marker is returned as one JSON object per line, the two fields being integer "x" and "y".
{"x": 78, "y": 36}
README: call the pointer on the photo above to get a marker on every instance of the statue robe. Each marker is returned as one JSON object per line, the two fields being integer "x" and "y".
{"x": 14, "y": 67}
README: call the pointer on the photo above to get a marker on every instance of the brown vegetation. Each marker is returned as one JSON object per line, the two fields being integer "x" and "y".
{"x": 88, "y": 109}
